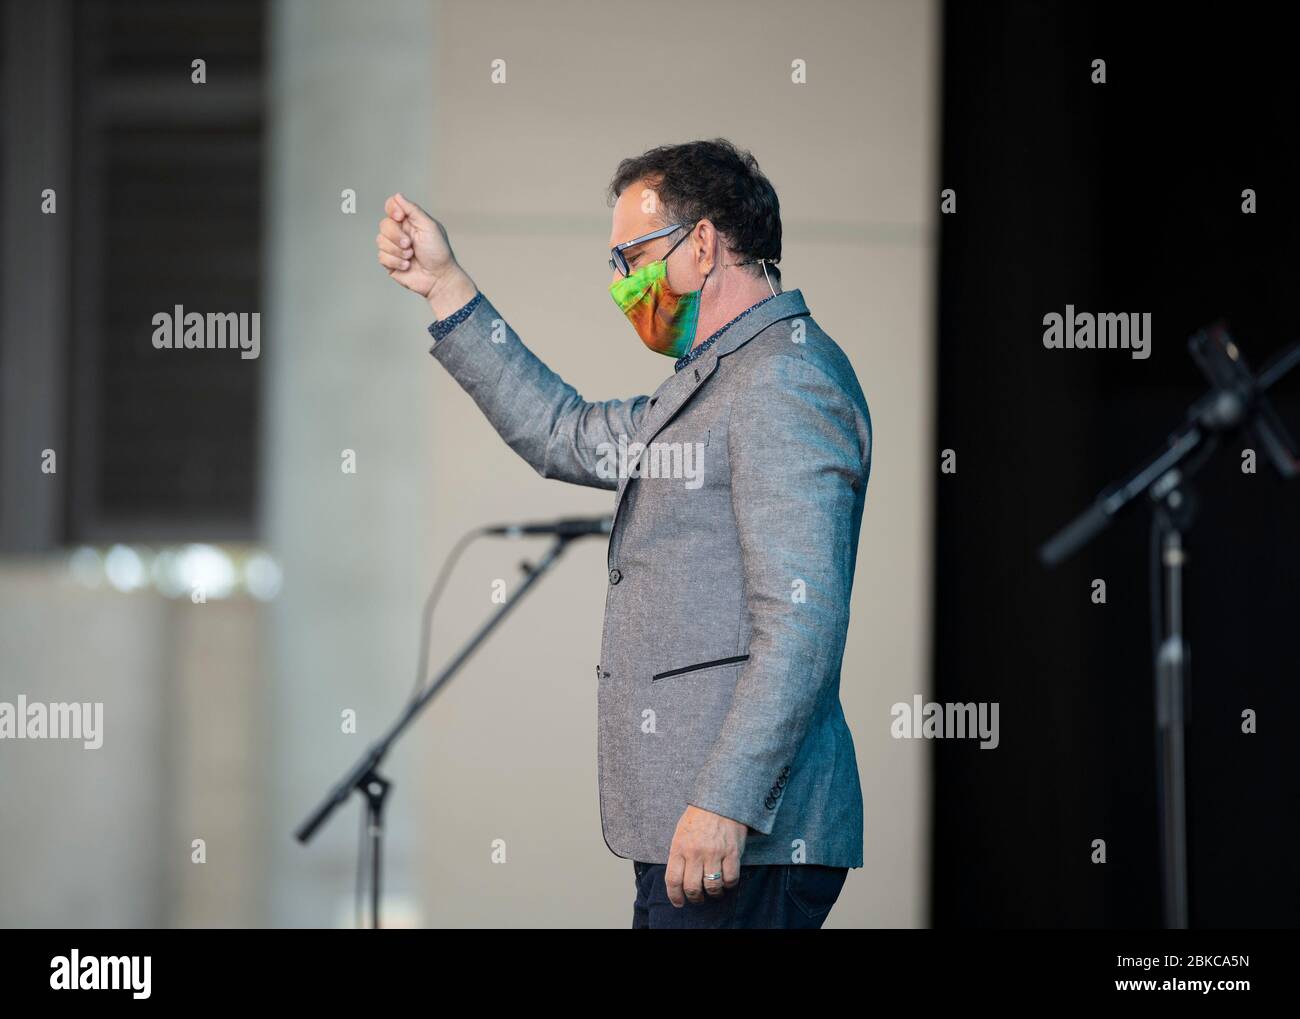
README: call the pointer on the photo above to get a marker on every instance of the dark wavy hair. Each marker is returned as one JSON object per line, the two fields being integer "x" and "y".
{"x": 716, "y": 181}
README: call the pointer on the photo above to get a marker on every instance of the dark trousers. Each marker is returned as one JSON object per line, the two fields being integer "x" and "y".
{"x": 791, "y": 896}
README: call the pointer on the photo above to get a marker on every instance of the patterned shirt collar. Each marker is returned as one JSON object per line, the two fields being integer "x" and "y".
{"x": 696, "y": 352}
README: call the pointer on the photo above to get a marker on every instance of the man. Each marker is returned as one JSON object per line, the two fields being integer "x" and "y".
{"x": 727, "y": 772}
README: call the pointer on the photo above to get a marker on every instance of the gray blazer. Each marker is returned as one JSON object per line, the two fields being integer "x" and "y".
{"x": 740, "y": 485}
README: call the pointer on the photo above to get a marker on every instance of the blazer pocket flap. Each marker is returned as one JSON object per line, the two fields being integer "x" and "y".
{"x": 699, "y": 667}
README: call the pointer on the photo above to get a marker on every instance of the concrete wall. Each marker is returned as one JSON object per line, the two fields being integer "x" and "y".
{"x": 105, "y": 837}
{"x": 521, "y": 169}
{"x": 226, "y": 717}
{"x": 352, "y": 99}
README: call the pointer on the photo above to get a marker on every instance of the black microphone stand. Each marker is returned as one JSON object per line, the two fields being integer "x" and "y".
{"x": 365, "y": 778}
{"x": 1236, "y": 401}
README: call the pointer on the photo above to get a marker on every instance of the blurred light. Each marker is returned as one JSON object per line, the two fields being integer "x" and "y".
{"x": 206, "y": 568}
{"x": 87, "y": 566}
{"x": 179, "y": 572}
{"x": 124, "y": 568}
{"x": 165, "y": 572}
{"x": 262, "y": 576}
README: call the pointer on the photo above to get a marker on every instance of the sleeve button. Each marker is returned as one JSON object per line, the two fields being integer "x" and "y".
{"x": 615, "y": 576}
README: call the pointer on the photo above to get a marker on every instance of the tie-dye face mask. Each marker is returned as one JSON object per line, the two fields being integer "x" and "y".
{"x": 664, "y": 320}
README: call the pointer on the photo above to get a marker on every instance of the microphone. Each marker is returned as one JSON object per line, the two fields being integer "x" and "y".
{"x": 1239, "y": 397}
{"x": 572, "y": 527}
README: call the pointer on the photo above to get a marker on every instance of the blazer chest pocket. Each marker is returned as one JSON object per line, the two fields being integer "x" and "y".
{"x": 683, "y": 435}
{"x": 698, "y": 667}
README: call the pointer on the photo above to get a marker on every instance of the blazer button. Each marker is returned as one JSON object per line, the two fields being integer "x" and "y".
{"x": 615, "y": 576}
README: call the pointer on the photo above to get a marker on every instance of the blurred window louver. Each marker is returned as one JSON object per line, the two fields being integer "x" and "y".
{"x": 167, "y": 212}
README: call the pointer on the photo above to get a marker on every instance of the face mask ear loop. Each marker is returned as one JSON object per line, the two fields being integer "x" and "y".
{"x": 700, "y": 299}
{"x": 763, "y": 263}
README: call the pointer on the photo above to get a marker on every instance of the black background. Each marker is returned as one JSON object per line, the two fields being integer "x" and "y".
{"x": 1122, "y": 197}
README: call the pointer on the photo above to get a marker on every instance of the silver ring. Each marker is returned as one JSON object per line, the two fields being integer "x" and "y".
{"x": 713, "y": 877}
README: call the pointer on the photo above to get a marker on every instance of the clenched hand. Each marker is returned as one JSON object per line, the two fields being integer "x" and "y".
{"x": 704, "y": 843}
{"x": 415, "y": 252}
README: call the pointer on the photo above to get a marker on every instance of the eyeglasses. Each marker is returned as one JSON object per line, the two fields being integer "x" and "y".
{"x": 618, "y": 261}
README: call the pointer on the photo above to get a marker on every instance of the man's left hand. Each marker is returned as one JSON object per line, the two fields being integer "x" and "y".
{"x": 704, "y": 843}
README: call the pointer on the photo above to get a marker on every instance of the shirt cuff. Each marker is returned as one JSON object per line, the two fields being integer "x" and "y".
{"x": 441, "y": 327}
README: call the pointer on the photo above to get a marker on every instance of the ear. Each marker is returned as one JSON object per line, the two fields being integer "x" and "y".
{"x": 707, "y": 246}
